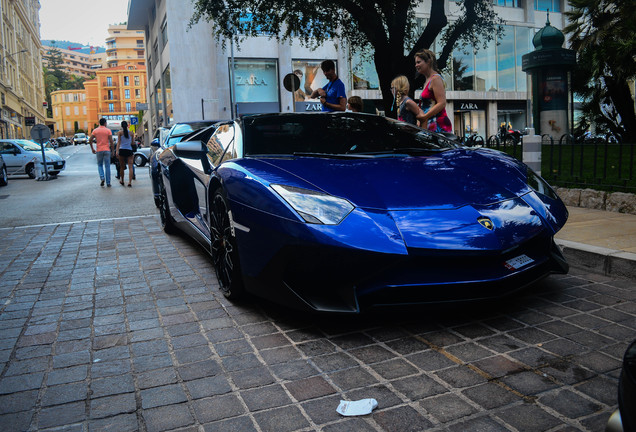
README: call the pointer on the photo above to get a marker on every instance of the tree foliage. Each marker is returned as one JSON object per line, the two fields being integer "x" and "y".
{"x": 386, "y": 27}
{"x": 56, "y": 79}
{"x": 603, "y": 33}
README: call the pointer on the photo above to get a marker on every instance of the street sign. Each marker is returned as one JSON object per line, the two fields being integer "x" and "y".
{"x": 134, "y": 120}
{"x": 142, "y": 106}
{"x": 40, "y": 133}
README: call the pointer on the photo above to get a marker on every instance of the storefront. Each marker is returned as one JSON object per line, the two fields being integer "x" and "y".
{"x": 255, "y": 85}
{"x": 512, "y": 114}
{"x": 469, "y": 118}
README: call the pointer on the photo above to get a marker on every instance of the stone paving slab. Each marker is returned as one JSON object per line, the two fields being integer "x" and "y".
{"x": 115, "y": 326}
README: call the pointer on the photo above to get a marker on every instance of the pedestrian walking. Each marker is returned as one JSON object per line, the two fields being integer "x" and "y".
{"x": 103, "y": 138}
{"x": 332, "y": 96}
{"x": 125, "y": 140}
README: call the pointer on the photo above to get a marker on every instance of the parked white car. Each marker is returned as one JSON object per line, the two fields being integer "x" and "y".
{"x": 21, "y": 155}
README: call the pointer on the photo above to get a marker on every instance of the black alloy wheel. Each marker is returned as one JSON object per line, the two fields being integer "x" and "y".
{"x": 223, "y": 249}
{"x": 4, "y": 179}
{"x": 30, "y": 170}
{"x": 164, "y": 211}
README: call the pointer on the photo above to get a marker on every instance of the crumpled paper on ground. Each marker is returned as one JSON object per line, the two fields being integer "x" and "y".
{"x": 357, "y": 408}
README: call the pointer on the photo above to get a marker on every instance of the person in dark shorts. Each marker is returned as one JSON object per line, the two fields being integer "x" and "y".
{"x": 124, "y": 151}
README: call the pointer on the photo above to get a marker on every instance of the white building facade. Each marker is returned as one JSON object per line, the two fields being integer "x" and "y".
{"x": 190, "y": 74}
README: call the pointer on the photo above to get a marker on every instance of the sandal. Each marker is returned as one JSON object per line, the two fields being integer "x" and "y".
{"x": 121, "y": 182}
{"x": 129, "y": 185}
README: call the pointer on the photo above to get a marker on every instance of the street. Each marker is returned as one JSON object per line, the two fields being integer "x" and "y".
{"x": 109, "y": 324}
{"x": 75, "y": 195}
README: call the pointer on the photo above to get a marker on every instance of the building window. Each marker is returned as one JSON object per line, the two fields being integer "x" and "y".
{"x": 111, "y": 107}
{"x": 127, "y": 94}
{"x": 136, "y": 81}
{"x": 110, "y": 95}
{"x": 109, "y": 81}
{"x": 140, "y": 43}
{"x": 164, "y": 33}
{"x": 68, "y": 111}
{"x": 547, "y": 5}
{"x": 507, "y": 3}
{"x": 137, "y": 94}
{"x": 76, "y": 110}
{"x": 126, "y": 80}
{"x": 256, "y": 85}
{"x": 128, "y": 107}
{"x": 506, "y": 60}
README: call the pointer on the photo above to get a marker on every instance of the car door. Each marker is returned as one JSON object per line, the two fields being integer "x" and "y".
{"x": 14, "y": 157}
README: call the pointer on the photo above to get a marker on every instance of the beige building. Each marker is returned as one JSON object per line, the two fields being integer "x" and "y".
{"x": 75, "y": 62}
{"x": 70, "y": 112}
{"x": 124, "y": 47}
{"x": 21, "y": 79}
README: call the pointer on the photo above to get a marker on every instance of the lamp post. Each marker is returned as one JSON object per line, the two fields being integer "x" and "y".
{"x": 3, "y": 58}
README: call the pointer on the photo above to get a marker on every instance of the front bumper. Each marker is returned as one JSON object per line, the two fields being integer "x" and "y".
{"x": 331, "y": 280}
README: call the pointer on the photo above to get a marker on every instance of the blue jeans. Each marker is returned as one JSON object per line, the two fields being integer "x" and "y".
{"x": 103, "y": 162}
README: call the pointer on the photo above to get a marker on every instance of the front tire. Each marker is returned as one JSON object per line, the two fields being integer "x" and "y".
{"x": 164, "y": 212}
{"x": 4, "y": 178}
{"x": 30, "y": 170}
{"x": 223, "y": 248}
{"x": 139, "y": 160}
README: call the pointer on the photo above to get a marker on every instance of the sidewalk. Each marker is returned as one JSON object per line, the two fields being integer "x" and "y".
{"x": 601, "y": 241}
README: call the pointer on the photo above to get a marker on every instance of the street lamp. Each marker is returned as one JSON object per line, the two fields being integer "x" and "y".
{"x": 3, "y": 58}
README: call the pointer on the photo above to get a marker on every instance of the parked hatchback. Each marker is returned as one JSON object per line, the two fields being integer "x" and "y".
{"x": 21, "y": 155}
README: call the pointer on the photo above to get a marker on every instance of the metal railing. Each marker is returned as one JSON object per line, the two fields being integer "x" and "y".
{"x": 602, "y": 163}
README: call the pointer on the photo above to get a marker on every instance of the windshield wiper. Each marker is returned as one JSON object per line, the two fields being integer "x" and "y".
{"x": 332, "y": 155}
{"x": 403, "y": 151}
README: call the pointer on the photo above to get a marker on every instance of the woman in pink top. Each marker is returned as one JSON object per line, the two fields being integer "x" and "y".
{"x": 433, "y": 98}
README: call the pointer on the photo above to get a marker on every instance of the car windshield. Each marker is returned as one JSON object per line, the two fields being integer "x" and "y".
{"x": 186, "y": 128}
{"x": 80, "y": 135}
{"x": 28, "y": 145}
{"x": 354, "y": 135}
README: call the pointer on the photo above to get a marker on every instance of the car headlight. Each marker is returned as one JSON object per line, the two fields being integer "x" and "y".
{"x": 315, "y": 207}
{"x": 539, "y": 185}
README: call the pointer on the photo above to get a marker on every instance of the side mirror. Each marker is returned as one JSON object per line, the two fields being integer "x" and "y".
{"x": 190, "y": 149}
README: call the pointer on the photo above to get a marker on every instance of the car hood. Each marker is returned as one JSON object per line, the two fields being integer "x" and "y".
{"x": 443, "y": 181}
{"x": 51, "y": 154}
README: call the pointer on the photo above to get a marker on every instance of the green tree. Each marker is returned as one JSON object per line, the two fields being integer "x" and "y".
{"x": 387, "y": 27}
{"x": 603, "y": 34}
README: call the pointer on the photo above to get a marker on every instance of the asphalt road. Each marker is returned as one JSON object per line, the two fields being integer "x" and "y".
{"x": 74, "y": 196}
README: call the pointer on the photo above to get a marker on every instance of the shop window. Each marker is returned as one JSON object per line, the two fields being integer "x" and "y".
{"x": 256, "y": 85}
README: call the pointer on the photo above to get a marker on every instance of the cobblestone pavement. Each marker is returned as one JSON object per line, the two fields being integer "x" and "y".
{"x": 115, "y": 326}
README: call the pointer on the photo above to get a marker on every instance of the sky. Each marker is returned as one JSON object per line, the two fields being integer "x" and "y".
{"x": 82, "y": 21}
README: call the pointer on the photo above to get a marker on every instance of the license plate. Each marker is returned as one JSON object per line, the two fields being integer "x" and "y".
{"x": 518, "y": 262}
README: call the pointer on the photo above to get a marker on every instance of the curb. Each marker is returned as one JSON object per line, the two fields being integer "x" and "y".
{"x": 608, "y": 262}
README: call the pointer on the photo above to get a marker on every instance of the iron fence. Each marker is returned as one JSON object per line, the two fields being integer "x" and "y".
{"x": 602, "y": 163}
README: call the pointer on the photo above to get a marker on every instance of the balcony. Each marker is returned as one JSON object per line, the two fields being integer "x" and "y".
{"x": 109, "y": 84}
{"x": 111, "y": 98}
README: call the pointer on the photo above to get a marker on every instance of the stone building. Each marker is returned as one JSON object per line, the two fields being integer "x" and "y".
{"x": 22, "y": 96}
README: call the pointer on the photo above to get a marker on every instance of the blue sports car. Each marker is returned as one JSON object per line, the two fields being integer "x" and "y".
{"x": 346, "y": 212}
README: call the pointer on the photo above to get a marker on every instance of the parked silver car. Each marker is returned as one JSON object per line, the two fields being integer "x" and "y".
{"x": 21, "y": 157}
{"x": 4, "y": 178}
